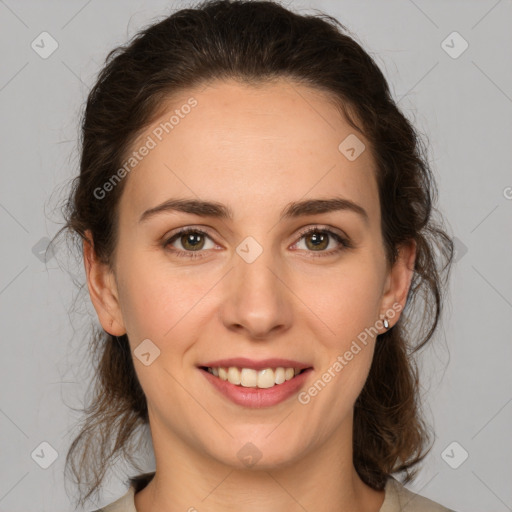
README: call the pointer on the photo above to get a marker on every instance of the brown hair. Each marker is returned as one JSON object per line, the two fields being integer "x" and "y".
{"x": 257, "y": 42}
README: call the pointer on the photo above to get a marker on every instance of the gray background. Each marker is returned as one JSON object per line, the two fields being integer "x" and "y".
{"x": 463, "y": 105}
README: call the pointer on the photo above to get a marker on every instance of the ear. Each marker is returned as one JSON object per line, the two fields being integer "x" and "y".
{"x": 102, "y": 289}
{"x": 398, "y": 283}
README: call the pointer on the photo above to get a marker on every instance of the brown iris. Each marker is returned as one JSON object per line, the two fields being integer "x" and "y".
{"x": 190, "y": 241}
{"x": 319, "y": 239}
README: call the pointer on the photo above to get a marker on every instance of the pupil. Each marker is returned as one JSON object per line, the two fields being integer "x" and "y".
{"x": 320, "y": 238}
{"x": 190, "y": 239}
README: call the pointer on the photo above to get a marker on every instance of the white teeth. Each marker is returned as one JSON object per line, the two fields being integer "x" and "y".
{"x": 279, "y": 375}
{"x": 233, "y": 375}
{"x": 266, "y": 378}
{"x": 249, "y": 378}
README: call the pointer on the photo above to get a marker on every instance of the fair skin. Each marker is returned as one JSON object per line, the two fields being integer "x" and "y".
{"x": 254, "y": 150}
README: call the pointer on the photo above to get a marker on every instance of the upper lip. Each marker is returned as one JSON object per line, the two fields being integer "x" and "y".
{"x": 243, "y": 362}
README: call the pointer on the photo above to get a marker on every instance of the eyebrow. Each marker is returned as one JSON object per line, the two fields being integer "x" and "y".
{"x": 220, "y": 211}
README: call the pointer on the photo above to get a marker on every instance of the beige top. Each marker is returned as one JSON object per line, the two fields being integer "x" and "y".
{"x": 397, "y": 499}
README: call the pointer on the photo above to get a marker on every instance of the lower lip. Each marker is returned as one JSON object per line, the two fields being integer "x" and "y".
{"x": 257, "y": 397}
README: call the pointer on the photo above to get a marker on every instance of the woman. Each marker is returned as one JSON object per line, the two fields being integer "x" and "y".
{"x": 255, "y": 215}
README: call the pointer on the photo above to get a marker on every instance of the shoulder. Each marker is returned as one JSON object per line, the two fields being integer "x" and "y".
{"x": 397, "y": 499}
{"x": 125, "y": 503}
{"x": 400, "y": 499}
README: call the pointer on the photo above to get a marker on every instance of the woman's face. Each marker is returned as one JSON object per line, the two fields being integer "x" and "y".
{"x": 253, "y": 286}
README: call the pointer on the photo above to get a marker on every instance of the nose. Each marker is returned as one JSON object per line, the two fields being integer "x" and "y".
{"x": 257, "y": 300}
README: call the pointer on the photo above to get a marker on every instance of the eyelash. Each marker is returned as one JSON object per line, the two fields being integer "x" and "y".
{"x": 344, "y": 242}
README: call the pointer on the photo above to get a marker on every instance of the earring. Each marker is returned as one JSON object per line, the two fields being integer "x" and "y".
{"x": 386, "y": 323}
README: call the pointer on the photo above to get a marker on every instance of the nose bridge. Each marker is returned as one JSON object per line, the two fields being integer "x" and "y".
{"x": 257, "y": 298}
{"x": 259, "y": 275}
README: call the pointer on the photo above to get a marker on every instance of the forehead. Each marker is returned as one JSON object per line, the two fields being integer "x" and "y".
{"x": 251, "y": 146}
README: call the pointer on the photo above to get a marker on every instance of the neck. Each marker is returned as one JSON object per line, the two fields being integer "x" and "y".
{"x": 324, "y": 480}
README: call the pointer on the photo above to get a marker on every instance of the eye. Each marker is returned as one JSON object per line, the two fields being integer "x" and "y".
{"x": 191, "y": 239}
{"x": 318, "y": 239}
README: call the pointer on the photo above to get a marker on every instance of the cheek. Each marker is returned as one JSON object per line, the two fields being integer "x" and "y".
{"x": 161, "y": 303}
{"x": 151, "y": 303}
{"x": 348, "y": 301}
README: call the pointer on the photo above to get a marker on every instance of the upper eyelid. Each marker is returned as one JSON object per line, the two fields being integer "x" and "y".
{"x": 301, "y": 232}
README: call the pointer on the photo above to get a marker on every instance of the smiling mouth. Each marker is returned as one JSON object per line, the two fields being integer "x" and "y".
{"x": 250, "y": 378}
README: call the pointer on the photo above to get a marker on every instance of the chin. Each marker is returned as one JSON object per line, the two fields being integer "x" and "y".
{"x": 257, "y": 453}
